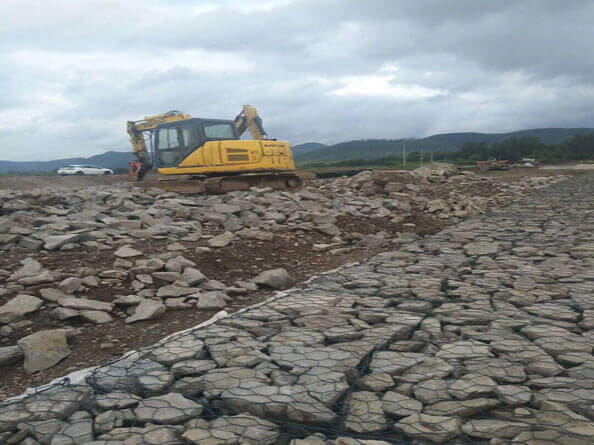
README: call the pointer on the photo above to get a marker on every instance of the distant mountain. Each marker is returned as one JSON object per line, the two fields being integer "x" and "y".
{"x": 110, "y": 159}
{"x": 379, "y": 148}
{"x": 307, "y": 147}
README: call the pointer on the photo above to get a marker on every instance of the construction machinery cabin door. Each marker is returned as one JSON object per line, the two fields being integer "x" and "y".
{"x": 173, "y": 143}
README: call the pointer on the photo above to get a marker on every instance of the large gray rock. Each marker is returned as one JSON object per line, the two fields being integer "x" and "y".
{"x": 210, "y": 301}
{"x": 82, "y": 304}
{"x": 400, "y": 405}
{"x": 147, "y": 310}
{"x": 222, "y": 240}
{"x": 96, "y": 317}
{"x": 170, "y": 409}
{"x": 54, "y": 242}
{"x": 193, "y": 276}
{"x": 44, "y": 349}
{"x": 127, "y": 252}
{"x": 18, "y": 307}
{"x": 490, "y": 428}
{"x": 436, "y": 429}
{"x": 365, "y": 413}
{"x": 70, "y": 285}
{"x": 275, "y": 278}
{"x": 10, "y": 354}
{"x": 291, "y": 403}
{"x": 30, "y": 268}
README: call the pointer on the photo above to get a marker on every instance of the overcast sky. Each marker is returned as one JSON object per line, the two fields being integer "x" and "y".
{"x": 73, "y": 72}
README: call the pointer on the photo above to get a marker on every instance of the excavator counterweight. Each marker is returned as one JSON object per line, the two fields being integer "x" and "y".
{"x": 195, "y": 155}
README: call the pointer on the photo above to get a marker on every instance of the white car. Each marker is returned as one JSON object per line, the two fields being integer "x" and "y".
{"x": 84, "y": 170}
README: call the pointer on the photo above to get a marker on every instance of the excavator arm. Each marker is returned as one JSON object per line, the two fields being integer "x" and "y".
{"x": 136, "y": 131}
{"x": 249, "y": 120}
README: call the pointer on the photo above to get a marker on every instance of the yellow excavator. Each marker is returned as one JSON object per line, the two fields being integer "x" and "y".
{"x": 194, "y": 155}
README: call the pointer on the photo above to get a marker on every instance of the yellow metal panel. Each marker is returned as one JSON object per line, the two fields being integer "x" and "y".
{"x": 229, "y": 157}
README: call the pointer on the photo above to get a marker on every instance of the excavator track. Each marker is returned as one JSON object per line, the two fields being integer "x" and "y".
{"x": 223, "y": 184}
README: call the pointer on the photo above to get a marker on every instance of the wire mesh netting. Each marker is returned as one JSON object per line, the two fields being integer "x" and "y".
{"x": 481, "y": 332}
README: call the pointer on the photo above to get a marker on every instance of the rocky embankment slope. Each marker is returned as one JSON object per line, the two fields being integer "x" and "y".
{"x": 89, "y": 273}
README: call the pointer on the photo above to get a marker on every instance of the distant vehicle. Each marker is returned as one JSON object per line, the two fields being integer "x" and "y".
{"x": 83, "y": 170}
{"x": 493, "y": 164}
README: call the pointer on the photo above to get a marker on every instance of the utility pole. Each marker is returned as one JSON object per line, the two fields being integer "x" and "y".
{"x": 431, "y": 157}
{"x": 404, "y": 155}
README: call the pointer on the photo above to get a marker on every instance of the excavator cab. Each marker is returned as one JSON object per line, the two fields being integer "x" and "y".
{"x": 174, "y": 141}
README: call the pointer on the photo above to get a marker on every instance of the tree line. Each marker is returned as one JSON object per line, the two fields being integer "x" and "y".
{"x": 513, "y": 149}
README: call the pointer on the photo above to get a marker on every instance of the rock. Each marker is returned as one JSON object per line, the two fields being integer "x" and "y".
{"x": 45, "y": 276}
{"x": 193, "y": 276}
{"x": 291, "y": 403}
{"x": 147, "y": 310}
{"x": 256, "y": 234}
{"x": 75, "y": 432}
{"x": 399, "y": 405}
{"x": 128, "y": 300}
{"x": 490, "y": 428}
{"x": 365, "y": 413}
{"x": 56, "y": 241}
{"x": 461, "y": 408}
{"x": 394, "y": 363}
{"x": 373, "y": 241}
{"x": 437, "y": 205}
{"x": 30, "y": 268}
{"x": 117, "y": 400}
{"x": 10, "y": 354}
{"x": 44, "y": 349}
{"x": 513, "y": 394}
{"x": 85, "y": 304}
{"x": 464, "y": 349}
{"x": 275, "y": 278}
{"x": 70, "y": 285}
{"x": 62, "y": 313}
{"x": 431, "y": 391}
{"x": 155, "y": 382}
{"x": 127, "y": 252}
{"x": 436, "y": 429}
{"x": 325, "y": 385}
{"x": 376, "y": 382}
{"x": 210, "y": 301}
{"x": 222, "y": 240}
{"x": 168, "y": 409}
{"x": 97, "y": 317}
{"x": 18, "y": 307}
{"x": 472, "y": 385}
{"x": 52, "y": 294}
{"x": 173, "y": 290}
{"x": 192, "y": 367}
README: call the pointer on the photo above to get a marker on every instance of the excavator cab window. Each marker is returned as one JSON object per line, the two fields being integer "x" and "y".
{"x": 215, "y": 130}
{"x": 168, "y": 147}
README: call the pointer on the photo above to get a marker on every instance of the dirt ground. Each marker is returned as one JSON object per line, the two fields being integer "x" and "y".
{"x": 241, "y": 260}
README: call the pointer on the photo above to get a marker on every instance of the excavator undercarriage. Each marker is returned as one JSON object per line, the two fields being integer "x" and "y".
{"x": 230, "y": 183}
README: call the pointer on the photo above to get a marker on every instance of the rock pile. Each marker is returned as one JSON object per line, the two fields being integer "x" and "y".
{"x": 119, "y": 220}
{"x": 483, "y": 331}
{"x": 104, "y": 217}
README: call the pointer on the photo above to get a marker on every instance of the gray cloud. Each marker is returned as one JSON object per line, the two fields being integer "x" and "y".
{"x": 326, "y": 70}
